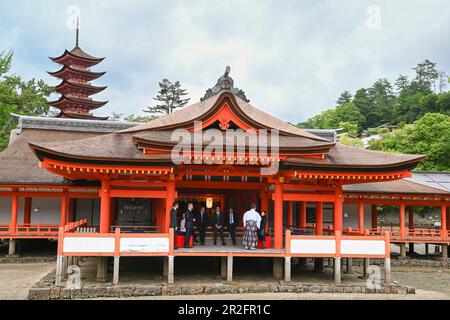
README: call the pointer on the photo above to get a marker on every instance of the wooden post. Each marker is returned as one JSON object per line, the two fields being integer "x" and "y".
{"x": 71, "y": 214}
{"x": 278, "y": 217}
{"x": 403, "y": 250}
{"x": 12, "y": 247}
{"x": 171, "y": 274}
{"x": 302, "y": 214}
{"x": 27, "y": 210}
{"x": 102, "y": 268}
{"x": 444, "y": 221}
{"x": 319, "y": 218}
{"x": 278, "y": 268}
{"x": 402, "y": 220}
{"x": 349, "y": 267}
{"x": 289, "y": 213}
{"x": 287, "y": 269}
{"x": 374, "y": 215}
{"x": 318, "y": 265}
{"x": 387, "y": 259}
{"x": 411, "y": 227}
{"x": 265, "y": 206}
{"x": 105, "y": 207}
{"x": 366, "y": 264}
{"x": 223, "y": 267}
{"x": 230, "y": 268}
{"x": 361, "y": 217}
{"x": 63, "y": 214}
{"x": 337, "y": 270}
{"x": 116, "y": 271}
{"x": 14, "y": 210}
{"x": 170, "y": 198}
{"x": 445, "y": 251}
{"x": 337, "y": 214}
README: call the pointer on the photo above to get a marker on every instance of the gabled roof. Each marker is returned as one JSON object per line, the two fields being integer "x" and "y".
{"x": 199, "y": 111}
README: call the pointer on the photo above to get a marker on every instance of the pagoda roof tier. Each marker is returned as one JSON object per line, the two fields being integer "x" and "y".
{"x": 77, "y": 56}
{"x": 77, "y": 115}
{"x": 71, "y": 86}
{"x": 127, "y": 146}
{"x": 68, "y": 73}
{"x": 65, "y": 102}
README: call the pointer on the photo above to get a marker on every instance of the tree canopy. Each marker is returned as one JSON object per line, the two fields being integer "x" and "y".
{"x": 430, "y": 136}
{"x": 170, "y": 97}
{"x": 25, "y": 97}
{"x": 402, "y": 102}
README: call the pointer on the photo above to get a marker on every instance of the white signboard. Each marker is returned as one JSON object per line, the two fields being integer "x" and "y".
{"x": 144, "y": 245}
{"x": 310, "y": 246}
{"x": 363, "y": 247}
{"x": 88, "y": 244}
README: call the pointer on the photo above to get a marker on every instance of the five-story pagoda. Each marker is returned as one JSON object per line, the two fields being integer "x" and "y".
{"x": 76, "y": 88}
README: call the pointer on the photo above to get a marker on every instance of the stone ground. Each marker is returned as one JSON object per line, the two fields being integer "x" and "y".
{"x": 430, "y": 283}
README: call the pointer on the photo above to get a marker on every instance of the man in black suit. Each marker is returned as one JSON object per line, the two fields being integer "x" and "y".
{"x": 231, "y": 223}
{"x": 174, "y": 218}
{"x": 189, "y": 224}
{"x": 218, "y": 223}
{"x": 202, "y": 224}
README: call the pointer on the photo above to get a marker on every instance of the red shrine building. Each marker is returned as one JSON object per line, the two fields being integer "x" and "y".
{"x": 105, "y": 188}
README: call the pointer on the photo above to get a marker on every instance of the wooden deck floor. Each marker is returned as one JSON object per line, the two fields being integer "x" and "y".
{"x": 220, "y": 250}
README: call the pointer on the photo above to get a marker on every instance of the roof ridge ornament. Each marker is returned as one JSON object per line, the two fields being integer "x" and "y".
{"x": 225, "y": 82}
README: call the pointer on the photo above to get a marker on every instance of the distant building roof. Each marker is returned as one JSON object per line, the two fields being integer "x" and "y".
{"x": 329, "y": 134}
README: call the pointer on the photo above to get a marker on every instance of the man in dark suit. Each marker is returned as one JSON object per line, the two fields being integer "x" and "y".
{"x": 174, "y": 218}
{"x": 218, "y": 223}
{"x": 202, "y": 220}
{"x": 231, "y": 224}
{"x": 189, "y": 224}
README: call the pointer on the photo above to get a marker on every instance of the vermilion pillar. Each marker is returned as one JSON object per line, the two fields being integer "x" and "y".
{"x": 374, "y": 216}
{"x": 402, "y": 220}
{"x": 361, "y": 217}
{"x": 319, "y": 218}
{"x": 63, "y": 215}
{"x": 411, "y": 217}
{"x": 337, "y": 214}
{"x": 444, "y": 221}
{"x": 278, "y": 216}
{"x": 27, "y": 211}
{"x": 105, "y": 206}
{"x": 170, "y": 198}
{"x": 289, "y": 213}
{"x": 264, "y": 196}
{"x": 302, "y": 214}
{"x": 14, "y": 210}
{"x": 71, "y": 213}
{"x": 448, "y": 218}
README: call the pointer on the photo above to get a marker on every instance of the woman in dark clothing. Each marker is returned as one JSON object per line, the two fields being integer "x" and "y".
{"x": 262, "y": 229}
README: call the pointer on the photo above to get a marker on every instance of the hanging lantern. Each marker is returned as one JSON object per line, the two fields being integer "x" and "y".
{"x": 209, "y": 202}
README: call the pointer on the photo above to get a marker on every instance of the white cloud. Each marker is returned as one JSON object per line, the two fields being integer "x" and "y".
{"x": 292, "y": 58}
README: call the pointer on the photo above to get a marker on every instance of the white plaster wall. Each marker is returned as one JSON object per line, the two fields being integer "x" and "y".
{"x": 352, "y": 211}
{"x": 48, "y": 210}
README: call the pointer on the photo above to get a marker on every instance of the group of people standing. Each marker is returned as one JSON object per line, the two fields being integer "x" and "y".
{"x": 254, "y": 224}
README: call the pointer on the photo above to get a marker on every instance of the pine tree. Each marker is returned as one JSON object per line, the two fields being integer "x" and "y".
{"x": 345, "y": 97}
{"x": 170, "y": 96}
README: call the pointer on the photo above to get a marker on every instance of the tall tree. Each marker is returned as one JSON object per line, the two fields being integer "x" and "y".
{"x": 19, "y": 96}
{"x": 426, "y": 76}
{"x": 170, "y": 96}
{"x": 345, "y": 97}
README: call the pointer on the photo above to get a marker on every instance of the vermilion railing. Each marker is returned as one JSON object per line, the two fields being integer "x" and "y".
{"x": 38, "y": 230}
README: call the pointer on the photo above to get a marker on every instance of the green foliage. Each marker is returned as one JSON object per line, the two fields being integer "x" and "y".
{"x": 19, "y": 96}
{"x": 170, "y": 96}
{"x": 349, "y": 141}
{"x": 401, "y": 103}
{"x": 430, "y": 136}
{"x": 131, "y": 118}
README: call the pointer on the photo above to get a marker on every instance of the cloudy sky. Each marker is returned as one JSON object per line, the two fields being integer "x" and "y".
{"x": 292, "y": 58}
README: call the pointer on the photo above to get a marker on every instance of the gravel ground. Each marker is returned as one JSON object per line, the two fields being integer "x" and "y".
{"x": 17, "y": 279}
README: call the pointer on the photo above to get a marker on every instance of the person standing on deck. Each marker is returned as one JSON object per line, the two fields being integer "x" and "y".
{"x": 189, "y": 224}
{"x": 202, "y": 224}
{"x": 218, "y": 223}
{"x": 174, "y": 219}
{"x": 252, "y": 222}
{"x": 262, "y": 229}
{"x": 231, "y": 225}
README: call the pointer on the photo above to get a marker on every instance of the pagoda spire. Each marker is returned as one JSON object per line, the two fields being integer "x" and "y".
{"x": 76, "y": 88}
{"x": 77, "y": 33}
